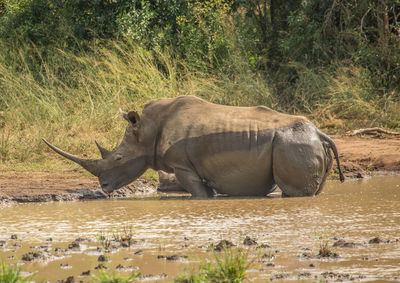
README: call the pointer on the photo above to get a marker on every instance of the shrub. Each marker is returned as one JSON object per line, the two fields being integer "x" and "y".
{"x": 229, "y": 267}
{"x": 12, "y": 274}
{"x": 105, "y": 276}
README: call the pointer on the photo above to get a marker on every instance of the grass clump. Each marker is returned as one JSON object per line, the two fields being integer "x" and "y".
{"x": 105, "y": 276}
{"x": 108, "y": 239}
{"x": 105, "y": 241}
{"x": 325, "y": 251}
{"x": 125, "y": 235}
{"x": 229, "y": 267}
{"x": 12, "y": 274}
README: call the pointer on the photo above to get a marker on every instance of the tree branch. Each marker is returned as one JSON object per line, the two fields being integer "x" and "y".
{"x": 371, "y": 131}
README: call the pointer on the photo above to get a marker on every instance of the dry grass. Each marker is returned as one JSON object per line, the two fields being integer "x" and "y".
{"x": 72, "y": 100}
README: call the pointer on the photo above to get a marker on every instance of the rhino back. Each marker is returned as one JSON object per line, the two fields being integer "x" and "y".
{"x": 190, "y": 117}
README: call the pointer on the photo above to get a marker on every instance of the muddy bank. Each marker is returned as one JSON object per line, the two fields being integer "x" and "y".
{"x": 45, "y": 187}
{"x": 360, "y": 157}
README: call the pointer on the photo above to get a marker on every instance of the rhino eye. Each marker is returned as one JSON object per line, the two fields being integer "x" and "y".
{"x": 118, "y": 158}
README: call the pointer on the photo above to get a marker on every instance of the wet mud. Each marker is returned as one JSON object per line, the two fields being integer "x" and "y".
{"x": 47, "y": 187}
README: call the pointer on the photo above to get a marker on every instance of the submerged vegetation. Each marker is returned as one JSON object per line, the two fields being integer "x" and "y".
{"x": 123, "y": 237}
{"x": 229, "y": 267}
{"x": 106, "y": 276}
{"x": 66, "y": 67}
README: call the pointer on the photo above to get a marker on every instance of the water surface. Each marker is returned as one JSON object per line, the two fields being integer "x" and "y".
{"x": 355, "y": 211}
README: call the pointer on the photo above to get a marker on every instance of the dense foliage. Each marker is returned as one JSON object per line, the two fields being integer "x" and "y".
{"x": 271, "y": 33}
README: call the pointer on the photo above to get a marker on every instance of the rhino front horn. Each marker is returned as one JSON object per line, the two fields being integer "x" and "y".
{"x": 104, "y": 152}
{"x": 91, "y": 165}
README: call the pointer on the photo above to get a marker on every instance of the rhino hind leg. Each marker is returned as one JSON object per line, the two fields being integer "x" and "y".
{"x": 168, "y": 183}
{"x": 329, "y": 164}
{"x": 299, "y": 169}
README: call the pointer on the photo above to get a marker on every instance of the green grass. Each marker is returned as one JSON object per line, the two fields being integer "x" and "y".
{"x": 12, "y": 274}
{"x": 105, "y": 276}
{"x": 229, "y": 267}
{"x": 325, "y": 249}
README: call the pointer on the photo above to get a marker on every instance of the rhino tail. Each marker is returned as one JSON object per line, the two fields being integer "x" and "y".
{"x": 335, "y": 152}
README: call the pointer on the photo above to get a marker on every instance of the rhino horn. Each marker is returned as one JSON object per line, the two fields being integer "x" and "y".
{"x": 90, "y": 165}
{"x": 124, "y": 114}
{"x": 104, "y": 152}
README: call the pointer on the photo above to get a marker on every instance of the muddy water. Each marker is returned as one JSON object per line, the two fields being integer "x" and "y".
{"x": 293, "y": 229}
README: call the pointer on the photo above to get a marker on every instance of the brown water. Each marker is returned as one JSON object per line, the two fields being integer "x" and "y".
{"x": 355, "y": 211}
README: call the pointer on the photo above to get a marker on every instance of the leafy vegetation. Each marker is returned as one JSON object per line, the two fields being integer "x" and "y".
{"x": 105, "y": 242}
{"x": 125, "y": 234}
{"x": 12, "y": 274}
{"x": 67, "y": 66}
{"x": 105, "y": 276}
{"x": 229, "y": 267}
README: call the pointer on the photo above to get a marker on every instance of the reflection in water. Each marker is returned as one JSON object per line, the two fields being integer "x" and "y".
{"x": 355, "y": 211}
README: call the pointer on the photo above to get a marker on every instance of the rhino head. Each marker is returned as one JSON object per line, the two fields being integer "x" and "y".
{"x": 125, "y": 163}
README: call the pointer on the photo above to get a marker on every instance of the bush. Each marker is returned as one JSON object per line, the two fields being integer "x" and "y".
{"x": 105, "y": 276}
{"x": 63, "y": 22}
{"x": 192, "y": 29}
{"x": 12, "y": 274}
{"x": 229, "y": 268}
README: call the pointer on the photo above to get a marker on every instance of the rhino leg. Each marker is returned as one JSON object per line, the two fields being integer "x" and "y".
{"x": 329, "y": 163}
{"x": 299, "y": 165}
{"x": 168, "y": 183}
{"x": 192, "y": 183}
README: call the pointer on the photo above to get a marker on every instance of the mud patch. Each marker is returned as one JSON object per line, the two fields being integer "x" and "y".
{"x": 223, "y": 244}
{"x": 173, "y": 257}
{"x": 344, "y": 244}
{"x": 42, "y": 187}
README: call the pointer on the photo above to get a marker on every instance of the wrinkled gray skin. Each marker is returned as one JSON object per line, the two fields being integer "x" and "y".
{"x": 237, "y": 151}
{"x": 167, "y": 182}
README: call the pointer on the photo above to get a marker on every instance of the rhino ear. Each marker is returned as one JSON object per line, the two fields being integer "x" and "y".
{"x": 132, "y": 116}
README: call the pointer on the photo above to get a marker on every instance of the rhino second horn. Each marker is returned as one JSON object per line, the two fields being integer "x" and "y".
{"x": 90, "y": 165}
{"x": 104, "y": 152}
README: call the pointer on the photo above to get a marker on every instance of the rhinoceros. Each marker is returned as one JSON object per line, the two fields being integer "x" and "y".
{"x": 216, "y": 149}
{"x": 167, "y": 183}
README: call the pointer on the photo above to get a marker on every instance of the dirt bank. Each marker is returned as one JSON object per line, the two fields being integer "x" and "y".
{"x": 366, "y": 155}
{"x": 360, "y": 157}
{"x": 45, "y": 186}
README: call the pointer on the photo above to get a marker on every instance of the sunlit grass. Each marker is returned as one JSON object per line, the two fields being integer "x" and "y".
{"x": 73, "y": 100}
{"x": 230, "y": 266}
{"x": 106, "y": 276}
{"x": 12, "y": 274}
